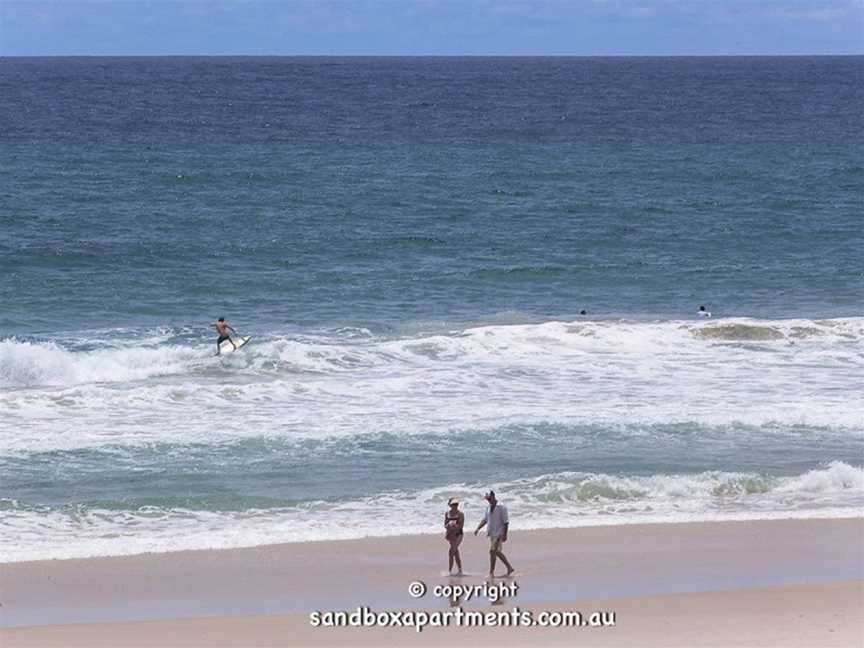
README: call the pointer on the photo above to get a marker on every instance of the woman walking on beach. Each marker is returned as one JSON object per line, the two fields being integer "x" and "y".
{"x": 454, "y": 520}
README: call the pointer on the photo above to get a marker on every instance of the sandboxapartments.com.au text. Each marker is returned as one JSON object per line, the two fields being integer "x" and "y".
{"x": 364, "y": 617}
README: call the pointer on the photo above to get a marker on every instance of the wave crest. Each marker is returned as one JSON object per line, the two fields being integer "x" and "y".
{"x": 550, "y": 501}
{"x": 28, "y": 364}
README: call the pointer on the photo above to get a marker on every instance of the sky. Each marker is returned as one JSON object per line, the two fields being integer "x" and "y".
{"x": 431, "y": 27}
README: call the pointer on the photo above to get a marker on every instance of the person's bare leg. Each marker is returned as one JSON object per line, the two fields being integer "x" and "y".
{"x": 456, "y": 555}
{"x": 450, "y": 559}
{"x": 503, "y": 558}
{"x": 492, "y": 556}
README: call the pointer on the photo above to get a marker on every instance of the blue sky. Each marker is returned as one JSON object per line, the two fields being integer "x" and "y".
{"x": 437, "y": 27}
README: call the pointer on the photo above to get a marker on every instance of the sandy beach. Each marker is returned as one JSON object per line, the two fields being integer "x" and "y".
{"x": 756, "y": 583}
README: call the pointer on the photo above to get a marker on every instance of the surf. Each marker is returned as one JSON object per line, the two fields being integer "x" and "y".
{"x": 563, "y": 500}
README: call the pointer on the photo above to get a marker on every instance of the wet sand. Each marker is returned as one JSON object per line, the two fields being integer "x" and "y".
{"x": 781, "y": 582}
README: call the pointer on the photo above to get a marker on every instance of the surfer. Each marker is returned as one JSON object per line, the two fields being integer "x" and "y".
{"x": 703, "y": 312}
{"x": 222, "y": 328}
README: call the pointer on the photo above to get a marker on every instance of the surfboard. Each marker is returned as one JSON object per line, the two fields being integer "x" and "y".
{"x": 226, "y": 347}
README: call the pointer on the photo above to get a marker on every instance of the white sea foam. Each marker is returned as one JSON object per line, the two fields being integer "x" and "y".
{"x": 723, "y": 372}
{"x": 550, "y": 501}
{"x": 47, "y": 365}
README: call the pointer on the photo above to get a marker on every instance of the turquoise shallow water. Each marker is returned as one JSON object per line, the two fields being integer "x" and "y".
{"x": 410, "y": 241}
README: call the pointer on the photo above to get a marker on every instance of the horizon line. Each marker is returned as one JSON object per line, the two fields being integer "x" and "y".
{"x": 561, "y": 56}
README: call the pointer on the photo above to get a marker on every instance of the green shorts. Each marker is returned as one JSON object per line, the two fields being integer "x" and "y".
{"x": 495, "y": 543}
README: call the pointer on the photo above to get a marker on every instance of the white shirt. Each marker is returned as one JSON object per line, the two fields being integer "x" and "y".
{"x": 495, "y": 520}
{"x": 703, "y": 314}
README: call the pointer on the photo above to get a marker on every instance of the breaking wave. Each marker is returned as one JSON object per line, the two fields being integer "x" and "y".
{"x": 550, "y": 501}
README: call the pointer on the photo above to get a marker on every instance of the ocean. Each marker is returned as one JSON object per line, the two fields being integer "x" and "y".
{"x": 411, "y": 243}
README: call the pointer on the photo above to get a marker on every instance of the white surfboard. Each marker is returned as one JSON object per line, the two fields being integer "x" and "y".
{"x": 226, "y": 347}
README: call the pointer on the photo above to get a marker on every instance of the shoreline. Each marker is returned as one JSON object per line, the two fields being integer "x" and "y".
{"x": 553, "y": 567}
{"x": 590, "y": 523}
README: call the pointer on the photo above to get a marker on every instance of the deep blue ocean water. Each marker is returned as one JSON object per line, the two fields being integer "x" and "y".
{"x": 411, "y": 241}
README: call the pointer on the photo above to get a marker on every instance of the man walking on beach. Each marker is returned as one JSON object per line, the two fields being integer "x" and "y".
{"x": 496, "y": 522}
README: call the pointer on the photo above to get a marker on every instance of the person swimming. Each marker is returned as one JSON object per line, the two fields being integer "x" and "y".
{"x": 703, "y": 312}
{"x": 222, "y": 329}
